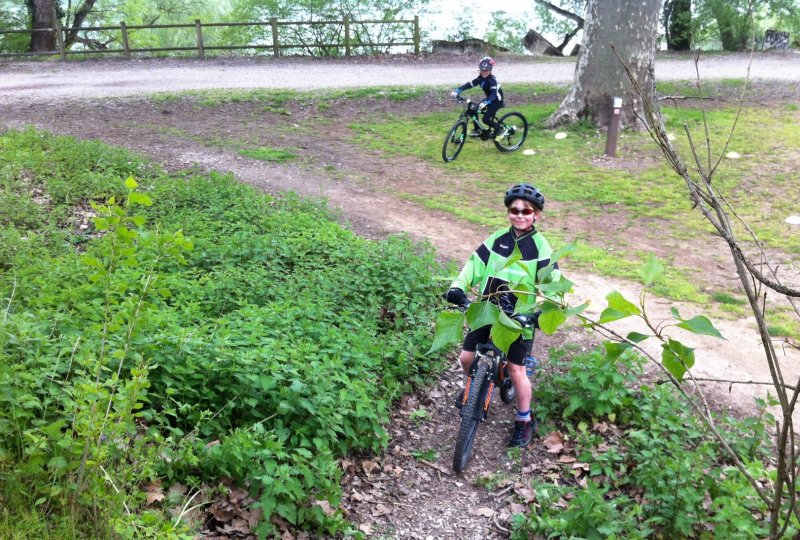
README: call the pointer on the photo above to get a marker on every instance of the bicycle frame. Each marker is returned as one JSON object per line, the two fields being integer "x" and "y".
{"x": 472, "y": 114}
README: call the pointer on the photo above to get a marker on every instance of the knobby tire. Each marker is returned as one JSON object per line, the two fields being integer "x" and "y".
{"x": 518, "y": 127}
{"x": 454, "y": 141}
{"x": 507, "y": 395}
{"x": 471, "y": 414}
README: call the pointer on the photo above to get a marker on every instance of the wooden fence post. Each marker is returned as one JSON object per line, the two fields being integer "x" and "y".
{"x": 416, "y": 34}
{"x": 125, "y": 45}
{"x": 347, "y": 35}
{"x": 273, "y": 22}
{"x": 62, "y": 50}
{"x": 198, "y": 29}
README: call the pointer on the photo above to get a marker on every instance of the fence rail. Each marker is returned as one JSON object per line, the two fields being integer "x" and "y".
{"x": 274, "y": 25}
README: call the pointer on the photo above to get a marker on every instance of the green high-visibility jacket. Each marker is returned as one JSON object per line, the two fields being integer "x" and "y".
{"x": 488, "y": 267}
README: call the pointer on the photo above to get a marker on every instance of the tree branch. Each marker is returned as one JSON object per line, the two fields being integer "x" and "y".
{"x": 563, "y": 12}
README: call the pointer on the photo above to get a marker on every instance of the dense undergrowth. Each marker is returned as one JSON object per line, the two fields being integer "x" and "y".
{"x": 644, "y": 466}
{"x": 187, "y": 329}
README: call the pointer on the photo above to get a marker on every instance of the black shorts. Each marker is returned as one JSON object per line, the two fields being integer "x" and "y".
{"x": 516, "y": 353}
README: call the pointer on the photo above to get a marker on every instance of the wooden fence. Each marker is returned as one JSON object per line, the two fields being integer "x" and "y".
{"x": 274, "y": 25}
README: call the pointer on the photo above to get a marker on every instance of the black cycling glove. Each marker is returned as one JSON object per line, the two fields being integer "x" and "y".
{"x": 504, "y": 303}
{"x": 456, "y": 296}
{"x": 531, "y": 320}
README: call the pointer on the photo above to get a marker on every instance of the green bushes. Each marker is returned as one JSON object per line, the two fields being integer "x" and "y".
{"x": 201, "y": 330}
{"x": 657, "y": 473}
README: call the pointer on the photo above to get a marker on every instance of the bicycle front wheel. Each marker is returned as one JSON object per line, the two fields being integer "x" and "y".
{"x": 517, "y": 132}
{"x": 471, "y": 414}
{"x": 454, "y": 141}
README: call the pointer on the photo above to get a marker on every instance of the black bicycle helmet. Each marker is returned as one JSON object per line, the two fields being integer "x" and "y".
{"x": 525, "y": 192}
{"x": 486, "y": 63}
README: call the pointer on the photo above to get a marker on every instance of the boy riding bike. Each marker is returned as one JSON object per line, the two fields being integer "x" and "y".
{"x": 487, "y": 268}
{"x": 494, "y": 97}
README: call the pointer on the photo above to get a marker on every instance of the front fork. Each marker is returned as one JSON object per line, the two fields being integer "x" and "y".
{"x": 486, "y": 399}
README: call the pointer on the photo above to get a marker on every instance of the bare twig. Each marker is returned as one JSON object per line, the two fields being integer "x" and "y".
{"x": 496, "y": 524}
{"x": 732, "y": 382}
{"x": 435, "y": 466}
{"x": 10, "y": 299}
{"x": 717, "y": 211}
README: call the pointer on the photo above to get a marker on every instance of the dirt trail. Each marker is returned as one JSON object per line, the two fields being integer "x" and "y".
{"x": 394, "y": 495}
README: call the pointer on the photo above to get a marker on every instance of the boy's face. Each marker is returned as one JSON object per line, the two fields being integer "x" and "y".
{"x": 485, "y": 72}
{"x": 522, "y": 214}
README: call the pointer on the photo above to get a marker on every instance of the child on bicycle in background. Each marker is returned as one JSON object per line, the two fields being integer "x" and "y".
{"x": 487, "y": 268}
{"x": 493, "y": 101}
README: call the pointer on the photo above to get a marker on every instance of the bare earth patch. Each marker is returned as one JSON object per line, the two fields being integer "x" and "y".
{"x": 404, "y": 493}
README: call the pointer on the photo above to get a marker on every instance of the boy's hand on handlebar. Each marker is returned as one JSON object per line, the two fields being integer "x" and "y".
{"x": 528, "y": 320}
{"x": 456, "y": 296}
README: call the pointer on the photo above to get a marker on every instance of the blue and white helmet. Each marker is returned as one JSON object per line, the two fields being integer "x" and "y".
{"x": 486, "y": 63}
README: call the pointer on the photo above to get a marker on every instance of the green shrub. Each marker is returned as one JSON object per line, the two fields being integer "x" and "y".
{"x": 657, "y": 474}
{"x": 591, "y": 386}
{"x": 274, "y": 332}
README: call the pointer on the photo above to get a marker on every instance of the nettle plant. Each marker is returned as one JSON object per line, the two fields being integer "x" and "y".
{"x": 74, "y": 393}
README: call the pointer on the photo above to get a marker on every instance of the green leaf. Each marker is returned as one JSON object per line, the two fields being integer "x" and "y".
{"x": 563, "y": 252}
{"x": 618, "y": 308}
{"x": 557, "y": 287}
{"x": 57, "y": 463}
{"x": 700, "y": 325}
{"x": 615, "y": 349}
{"x": 505, "y": 332}
{"x": 516, "y": 255}
{"x": 636, "y": 337}
{"x": 140, "y": 198}
{"x": 677, "y": 358}
{"x": 551, "y": 320}
{"x": 479, "y": 314}
{"x": 571, "y": 312}
{"x": 130, "y": 183}
{"x": 449, "y": 330}
{"x": 650, "y": 270}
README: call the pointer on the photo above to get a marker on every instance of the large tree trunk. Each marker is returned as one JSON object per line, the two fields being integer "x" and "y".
{"x": 678, "y": 24}
{"x": 43, "y": 15}
{"x": 632, "y": 28}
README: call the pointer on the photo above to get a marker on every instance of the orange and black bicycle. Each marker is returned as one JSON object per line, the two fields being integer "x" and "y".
{"x": 489, "y": 370}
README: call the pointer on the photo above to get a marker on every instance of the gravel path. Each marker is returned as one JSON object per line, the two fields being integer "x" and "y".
{"x": 22, "y": 82}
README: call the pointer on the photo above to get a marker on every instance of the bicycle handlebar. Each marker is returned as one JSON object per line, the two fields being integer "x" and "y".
{"x": 526, "y": 321}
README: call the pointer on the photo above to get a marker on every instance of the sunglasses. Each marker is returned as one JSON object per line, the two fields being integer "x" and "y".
{"x": 517, "y": 211}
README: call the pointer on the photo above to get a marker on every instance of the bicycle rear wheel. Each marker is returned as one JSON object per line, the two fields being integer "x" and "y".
{"x": 471, "y": 414}
{"x": 507, "y": 392}
{"x": 454, "y": 141}
{"x": 517, "y": 128}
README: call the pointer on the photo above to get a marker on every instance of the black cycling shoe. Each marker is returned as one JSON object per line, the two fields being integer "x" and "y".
{"x": 523, "y": 433}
